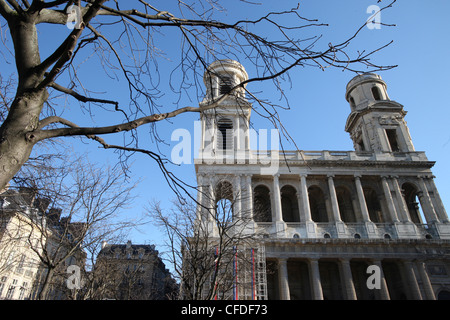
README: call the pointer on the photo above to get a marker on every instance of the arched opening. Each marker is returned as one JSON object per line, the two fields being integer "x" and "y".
{"x": 225, "y": 134}
{"x": 411, "y": 192}
{"x": 224, "y": 203}
{"x": 345, "y": 204}
{"x": 261, "y": 204}
{"x": 225, "y": 84}
{"x": 444, "y": 295}
{"x": 289, "y": 204}
{"x": 376, "y": 93}
{"x": 317, "y": 204}
{"x": 373, "y": 205}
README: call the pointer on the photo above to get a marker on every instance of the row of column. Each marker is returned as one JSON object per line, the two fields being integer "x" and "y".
{"x": 348, "y": 284}
{"x": 395, "y": 201}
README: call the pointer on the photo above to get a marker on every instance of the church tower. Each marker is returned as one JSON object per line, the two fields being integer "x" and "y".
{"x": 376, "y": 123}
{"x": 225, "y": 119}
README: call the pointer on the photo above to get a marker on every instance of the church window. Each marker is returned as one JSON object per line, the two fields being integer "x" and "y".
{"x": 225, "y": 132}
{"x": 261, "y": 204}
{"x": 226, "y": 84}
{"x": 376, "y": 93}
{"x": 224, "y": 203}
{"x": 373, "y": 205}
{"x": 317, "y": 204}
{"x": 392, "y": 138}
{"x": 289, "y": 204}
{"x": 411, "y": 195}
{"x": 345, "y": 204}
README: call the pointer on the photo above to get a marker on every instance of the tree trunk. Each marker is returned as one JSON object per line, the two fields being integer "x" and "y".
{"x": 46, "y": 285}
{"x": 16, "y": 137}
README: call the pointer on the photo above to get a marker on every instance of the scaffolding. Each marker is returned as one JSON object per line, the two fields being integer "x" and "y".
{"x": 253, "y": 273}
{"x": 261, "y": 274}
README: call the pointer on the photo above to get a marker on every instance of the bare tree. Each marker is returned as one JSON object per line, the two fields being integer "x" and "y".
{"x": 126, "y": 39}
{"x": 209, "y": 246}
{"x": 76, "y": 209}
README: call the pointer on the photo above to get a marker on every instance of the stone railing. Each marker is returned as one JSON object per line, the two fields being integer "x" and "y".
{"x": 266, "y": 157}
{"x": 358, "y": 230}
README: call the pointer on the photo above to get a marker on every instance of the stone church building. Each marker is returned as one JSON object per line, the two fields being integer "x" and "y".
{"x": 361, "y": 224}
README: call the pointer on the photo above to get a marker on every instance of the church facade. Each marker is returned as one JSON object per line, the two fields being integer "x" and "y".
{"x": 367, "y": 223}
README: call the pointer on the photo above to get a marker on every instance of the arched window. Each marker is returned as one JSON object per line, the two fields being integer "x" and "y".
{"x": 413, "y": 204}
{"x": 376, "y": 93}
{"x": 345, "y": 204}
{"x": 317, "y": 204}
{"x": 224, "y": 203}
{"x": 289, "y": 204}
{"x": 373, "y": 205}
{"x": 225, "y": 134}
{"x": 444, "y": 295}
{"x": 225, "y": 84}
{"x": 261, "y": 204}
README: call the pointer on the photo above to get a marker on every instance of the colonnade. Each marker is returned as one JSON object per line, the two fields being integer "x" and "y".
{"x": 392, "y": 196}
{"x": 385, "y": 289}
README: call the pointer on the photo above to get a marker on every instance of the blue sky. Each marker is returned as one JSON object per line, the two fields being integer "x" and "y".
{"x": 318, "y": 109}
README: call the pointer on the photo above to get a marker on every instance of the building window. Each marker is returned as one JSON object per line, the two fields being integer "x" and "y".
{"x": 373, "y": 206}
{"x": 225, "y": 85}
{"x": 23, "y": 290}
{"x": 317, "y": 204}
{"x": 344, "y": 198}
{"x": 261, "y": 205}
{"x": 225, "y": 138}
{"x": 2, "y": 284}
{"x": 224, "y": 203}
{"x": 411, "y": 195}
{"x": 392, "y": 138}
{"x": 376, "y": 93}
{"x": 289, "y": 204}
{"x": 11, "y": 289}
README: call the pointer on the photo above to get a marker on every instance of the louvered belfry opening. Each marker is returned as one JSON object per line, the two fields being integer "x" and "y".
{"x": 225, "y": 139}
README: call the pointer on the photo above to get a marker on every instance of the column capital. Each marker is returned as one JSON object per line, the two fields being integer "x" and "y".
{"x": 357, "y": 176}
{"x": 330, "y": 176}
{"x": 303, "y": 175}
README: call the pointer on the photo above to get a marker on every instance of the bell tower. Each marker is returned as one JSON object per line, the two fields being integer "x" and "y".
{"x": 376, "y": 123}
{"x": 225, "y": 119}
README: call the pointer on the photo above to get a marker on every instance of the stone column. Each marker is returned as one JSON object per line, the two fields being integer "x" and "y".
{"x": 412, "y": 280}
{"x": 334, "y": 201}
{"x": 249, "y": 199}
{"x": 304, "y": 199}
{"x": 383, "y": 291}
{"x": 283, "y": 281}
{"x": 425, "y": 281}
{"x": 277, "y": 198}
{"x": 401, "y": 200}
{"x": 389, "y": 200}
{"x": 440, "y": 209}
{"x": 200, "y": 196}
{"x": 361, "y": 199}
{"x": 210, "y": 199}
{"x": 348, "y": 279}
{"x": 237, "y": 213}
{"x": 426, "y": 203}
{"x": 314, "y": 275}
